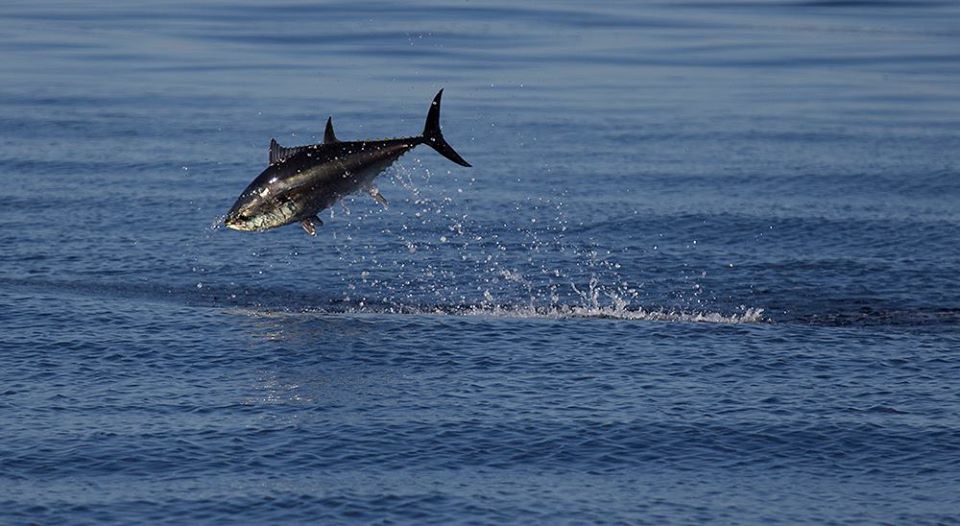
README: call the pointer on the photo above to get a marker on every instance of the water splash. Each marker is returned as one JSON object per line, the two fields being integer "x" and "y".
{"x": 525, "y": 263}
{"x": 749, "y": 316}
{"x": 557, "y": 312}
{"x": 217, "y": 223}
{"x": 616, "y": 313}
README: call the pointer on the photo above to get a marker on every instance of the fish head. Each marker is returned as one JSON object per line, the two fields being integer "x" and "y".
{"x": 241, "y": 220}
{"x": 257, "y": 210}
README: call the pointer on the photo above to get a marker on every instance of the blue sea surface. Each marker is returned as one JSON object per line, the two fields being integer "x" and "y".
{"x": 705, "y": 267}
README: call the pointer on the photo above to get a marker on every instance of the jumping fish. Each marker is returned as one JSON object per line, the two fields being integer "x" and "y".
{"x": 302, "y": 181}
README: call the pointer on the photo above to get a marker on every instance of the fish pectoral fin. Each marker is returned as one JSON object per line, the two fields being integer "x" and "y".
{"x": 310, "y": 225}
{"x": 377, "y": 196}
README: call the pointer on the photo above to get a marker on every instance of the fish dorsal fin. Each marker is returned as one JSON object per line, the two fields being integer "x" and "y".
{"x": 328, "y": 135}
{"x": 279, "y": 153}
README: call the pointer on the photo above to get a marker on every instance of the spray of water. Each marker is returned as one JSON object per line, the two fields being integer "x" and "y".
{"x": 433, "y": 258}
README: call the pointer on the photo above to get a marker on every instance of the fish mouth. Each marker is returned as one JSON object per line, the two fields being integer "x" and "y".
{"x": 242, "y": 222}
{"x": 233, "y": 222}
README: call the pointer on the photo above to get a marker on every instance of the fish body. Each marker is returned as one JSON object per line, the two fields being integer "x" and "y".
{"x": 302, "y": 181}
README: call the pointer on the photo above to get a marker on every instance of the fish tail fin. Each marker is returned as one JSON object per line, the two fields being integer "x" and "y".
{"x": 432, "y": 136}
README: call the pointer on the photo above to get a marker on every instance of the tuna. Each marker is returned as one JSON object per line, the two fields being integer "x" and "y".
{"x": 302, "y": 181}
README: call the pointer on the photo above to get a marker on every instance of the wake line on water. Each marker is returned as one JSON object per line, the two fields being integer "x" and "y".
{"x": 266, "y": 303}
{"x": 558, "y": 312}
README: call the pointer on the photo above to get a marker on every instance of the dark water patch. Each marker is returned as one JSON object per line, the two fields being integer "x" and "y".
{"x": 871, "y": 317}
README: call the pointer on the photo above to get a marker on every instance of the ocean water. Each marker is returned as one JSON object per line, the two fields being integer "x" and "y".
{"x": 705, "y": 267}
